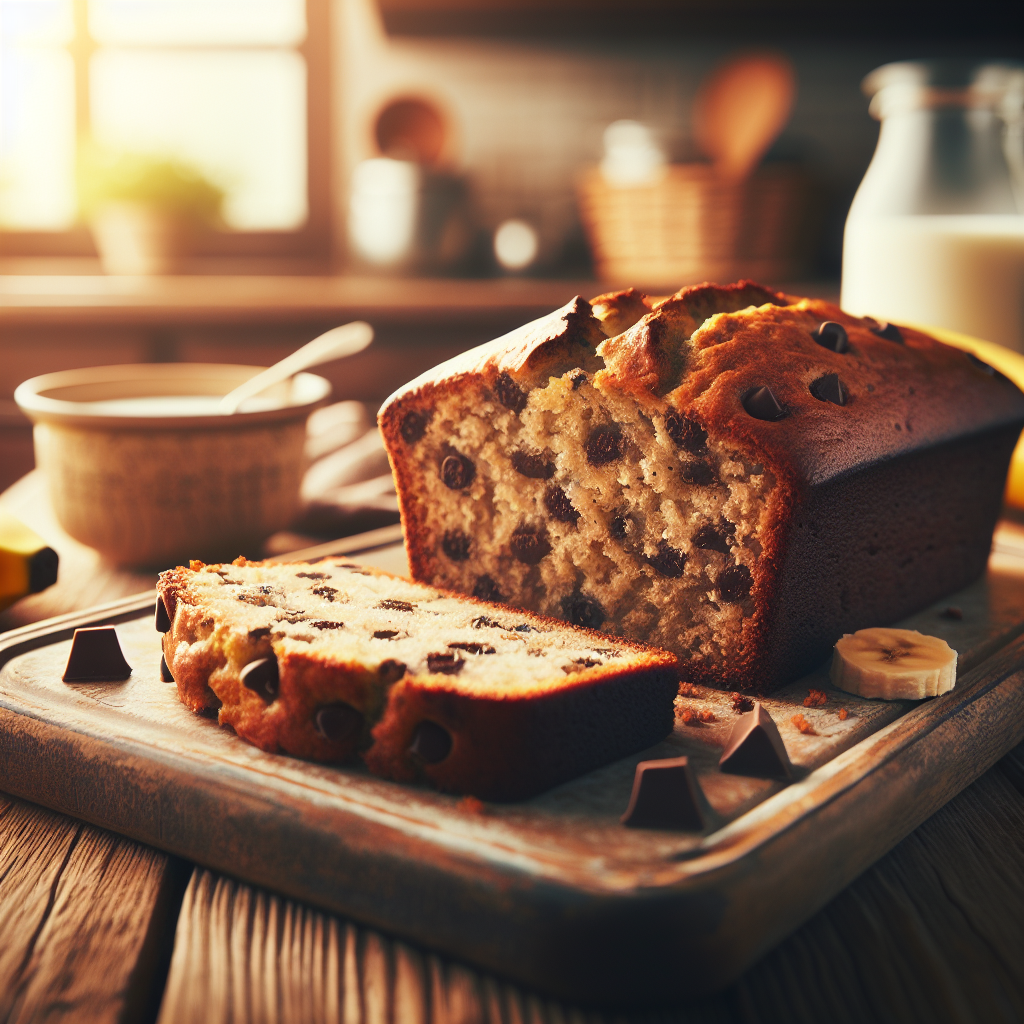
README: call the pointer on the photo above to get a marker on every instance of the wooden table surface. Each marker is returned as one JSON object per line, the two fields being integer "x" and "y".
{"x": 96, "y": 927}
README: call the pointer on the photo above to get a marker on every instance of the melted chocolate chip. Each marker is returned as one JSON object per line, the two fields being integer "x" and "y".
{"x": 162, "y": 619}
{"x": 482, "y": 622}
{"x": 533, "y": 465}
{"x": 339, "y": 722}
{"x": 979, "y": 365}
{"x": 312, "y": 576}
{"x": 686, "y": 434}
{"x": 559, "y": 506}
{"x": 96, "y": 657}
{"x": 457, "y": 472}
{"x": 431, "y": 743}
{"x": 762, "y": 404}
{"x": 262, "y": 677}
{"x": 325, "y": 592}
{"x": 165, "y": 672}
{"x": 445, "y": 663}
{"x": 830, "y": 389}
{"x": 471, "y": 647}
{"x": 581, "y": 610}
{"x": 530, "y": 544}
{"x": 698, "y": 473}
{"x": 888, "y": 331}
{"x": 710, "y": 538}
{"x": 485, "y": 589}
{"x": 414, "y": 426}
{"x": 385, "y": 634}
{"x": 669, "y": 561}
{"x": 832, "y": 336}
{"x": 581, "y": 665}
{"x": 734, "y": 583}
{"x": 326, "y": 624}
{"x": 579, "y": 378}
{"x": 509, "y": 393}
{"x": 604, "y": 445}
{"x": 455, "y": 544}
{"x": 390, "y": 671}
{"x": 392, "y": 604}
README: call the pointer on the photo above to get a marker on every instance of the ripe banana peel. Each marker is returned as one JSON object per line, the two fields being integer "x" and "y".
{"x": 27, "y": 563}
{"x": 1009, "y": 363}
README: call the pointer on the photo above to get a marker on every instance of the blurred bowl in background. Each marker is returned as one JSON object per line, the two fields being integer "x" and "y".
{"x": 142, "y": 467}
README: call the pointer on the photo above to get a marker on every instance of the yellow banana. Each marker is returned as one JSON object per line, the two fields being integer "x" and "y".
{"x": 1007, "y": 362}
{"x": 27, "y": 563}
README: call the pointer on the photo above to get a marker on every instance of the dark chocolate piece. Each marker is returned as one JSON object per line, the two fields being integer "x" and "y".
{"x": 393, "y": 604}
{"x": 339, "y": 723}
{"x": 312, "y": 576}
{"x": 533, "y": 465}
{"x": 165, "y": 672}
{"x": 525, "y": 627}
{"x": 579, "y": 378}
{"x": 734, "y": 583}
{"x": 581, "y": 610}
{"x": 431, "y": 743}
{"x": 686, "y": 434}
{"x": 326, "y": 624}
{"x": 390, "y": 671}
{"x": 325, "y": 592}
{"x": 96, "y": 657}
{"x": 669, "y": 561}
{"x": 482, "y": 621}
{"x": 710, "y": 538}
{"x": 762, "y": 404}
{"x": 557, "y": 502}
{"x": 457, "y": 472}
{"x": 697, "y": 473}
{"x": 756, "y": 748}
{"x": 414, "y": 426}
{"x": 262, "y": 677}
{"x": 445, "y": 663}
{"x": 455, "y": 544}
{"x": 472, "y": 647}
{"x": 163, "y": 620}
{"x": 888, "y": 331}
{"x": 509, "y": 393}
{"x": 385, "y": 634}
{"x": 830, "y": 389}
{"x": 530, "y": 544}
{"x": 665, "y": 795}
{"x": 832, "y": 336}
{"x": 42, "y": 570}
{"x": 485, "y": 589}
{"x": 604, "y": 445}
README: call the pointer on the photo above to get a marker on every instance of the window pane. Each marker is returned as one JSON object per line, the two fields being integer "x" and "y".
{"x": 197, "y": 22}
{"x": 37, "y": 116}
{"x": 238, "y": 116}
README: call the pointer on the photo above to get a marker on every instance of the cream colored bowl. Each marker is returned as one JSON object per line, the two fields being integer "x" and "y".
{"x": 160, "y": 481}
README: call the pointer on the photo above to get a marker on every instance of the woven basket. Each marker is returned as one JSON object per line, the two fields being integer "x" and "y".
{"x": 693, "y": 226}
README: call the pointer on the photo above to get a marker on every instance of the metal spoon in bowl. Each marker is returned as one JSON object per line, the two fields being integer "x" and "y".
{"x": 336, "y": 343}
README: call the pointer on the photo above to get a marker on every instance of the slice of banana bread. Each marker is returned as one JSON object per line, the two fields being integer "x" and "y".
{"x": 329, "y": 660}
{"x": 732, "y": 474}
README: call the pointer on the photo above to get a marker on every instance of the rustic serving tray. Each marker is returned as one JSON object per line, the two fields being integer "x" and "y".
{"x": 553, "y": 892}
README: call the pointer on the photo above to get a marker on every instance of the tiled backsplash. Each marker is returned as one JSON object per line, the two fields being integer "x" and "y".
{"x": 527, "y": 116}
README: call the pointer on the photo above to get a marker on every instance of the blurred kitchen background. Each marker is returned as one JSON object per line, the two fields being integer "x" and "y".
{"x": 445, "y": 169}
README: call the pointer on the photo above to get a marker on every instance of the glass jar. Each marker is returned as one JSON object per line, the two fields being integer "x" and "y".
{"x": 935, "y": 234}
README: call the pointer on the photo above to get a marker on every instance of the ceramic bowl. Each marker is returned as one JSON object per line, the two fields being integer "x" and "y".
{"x": 141, "y": 467}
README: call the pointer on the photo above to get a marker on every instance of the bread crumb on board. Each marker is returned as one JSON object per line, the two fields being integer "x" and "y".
{"x": 803, "y": 725}
{"x": 815, "y": 699}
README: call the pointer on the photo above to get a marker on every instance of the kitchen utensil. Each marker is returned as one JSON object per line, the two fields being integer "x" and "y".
{"x": 740, "y": 110}
{"x": 336, "y": 343}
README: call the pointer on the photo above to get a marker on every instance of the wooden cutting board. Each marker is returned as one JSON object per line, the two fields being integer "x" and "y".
{"x": 553, "y": 892}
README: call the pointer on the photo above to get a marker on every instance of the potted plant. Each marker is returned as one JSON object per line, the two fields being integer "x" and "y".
{"x": 144, "y": 210}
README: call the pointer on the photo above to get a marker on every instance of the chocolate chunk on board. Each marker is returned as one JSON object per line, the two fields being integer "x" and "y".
{"x": 665, "y": 795}
{"x": 756, "y": 748}
{"x": 95, "y": 657}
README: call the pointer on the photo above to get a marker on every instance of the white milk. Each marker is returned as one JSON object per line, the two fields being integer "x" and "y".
{"x": 963, "y": 272}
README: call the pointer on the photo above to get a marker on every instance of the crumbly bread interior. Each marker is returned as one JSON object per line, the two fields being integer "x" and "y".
{"x": 588, "y": 505}
{"x": 339, "y": 613}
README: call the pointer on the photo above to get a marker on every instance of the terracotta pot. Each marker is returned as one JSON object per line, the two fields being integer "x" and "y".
{"x": 134, "y": 238}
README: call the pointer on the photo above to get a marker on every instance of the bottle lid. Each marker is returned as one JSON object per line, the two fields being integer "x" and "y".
{"x": 919, "y": 85}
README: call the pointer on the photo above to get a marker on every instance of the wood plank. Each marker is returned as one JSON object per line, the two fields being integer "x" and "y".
{"x": 84, "y": 919}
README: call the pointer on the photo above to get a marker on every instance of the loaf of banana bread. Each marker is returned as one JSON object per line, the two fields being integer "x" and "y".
{"x": 332, "y": 660}
{"x": 733, "y": 474}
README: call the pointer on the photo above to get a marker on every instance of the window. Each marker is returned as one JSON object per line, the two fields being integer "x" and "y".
{"x": 238, "y": 89}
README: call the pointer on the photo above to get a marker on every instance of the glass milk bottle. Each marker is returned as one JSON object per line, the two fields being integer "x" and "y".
{"x": 935, "y": 234}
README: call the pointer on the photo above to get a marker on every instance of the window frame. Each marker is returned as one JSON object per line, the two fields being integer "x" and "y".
{"x": 309, "y": 242}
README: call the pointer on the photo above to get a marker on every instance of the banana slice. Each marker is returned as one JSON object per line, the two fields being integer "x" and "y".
{"x": 893, "y": 664}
